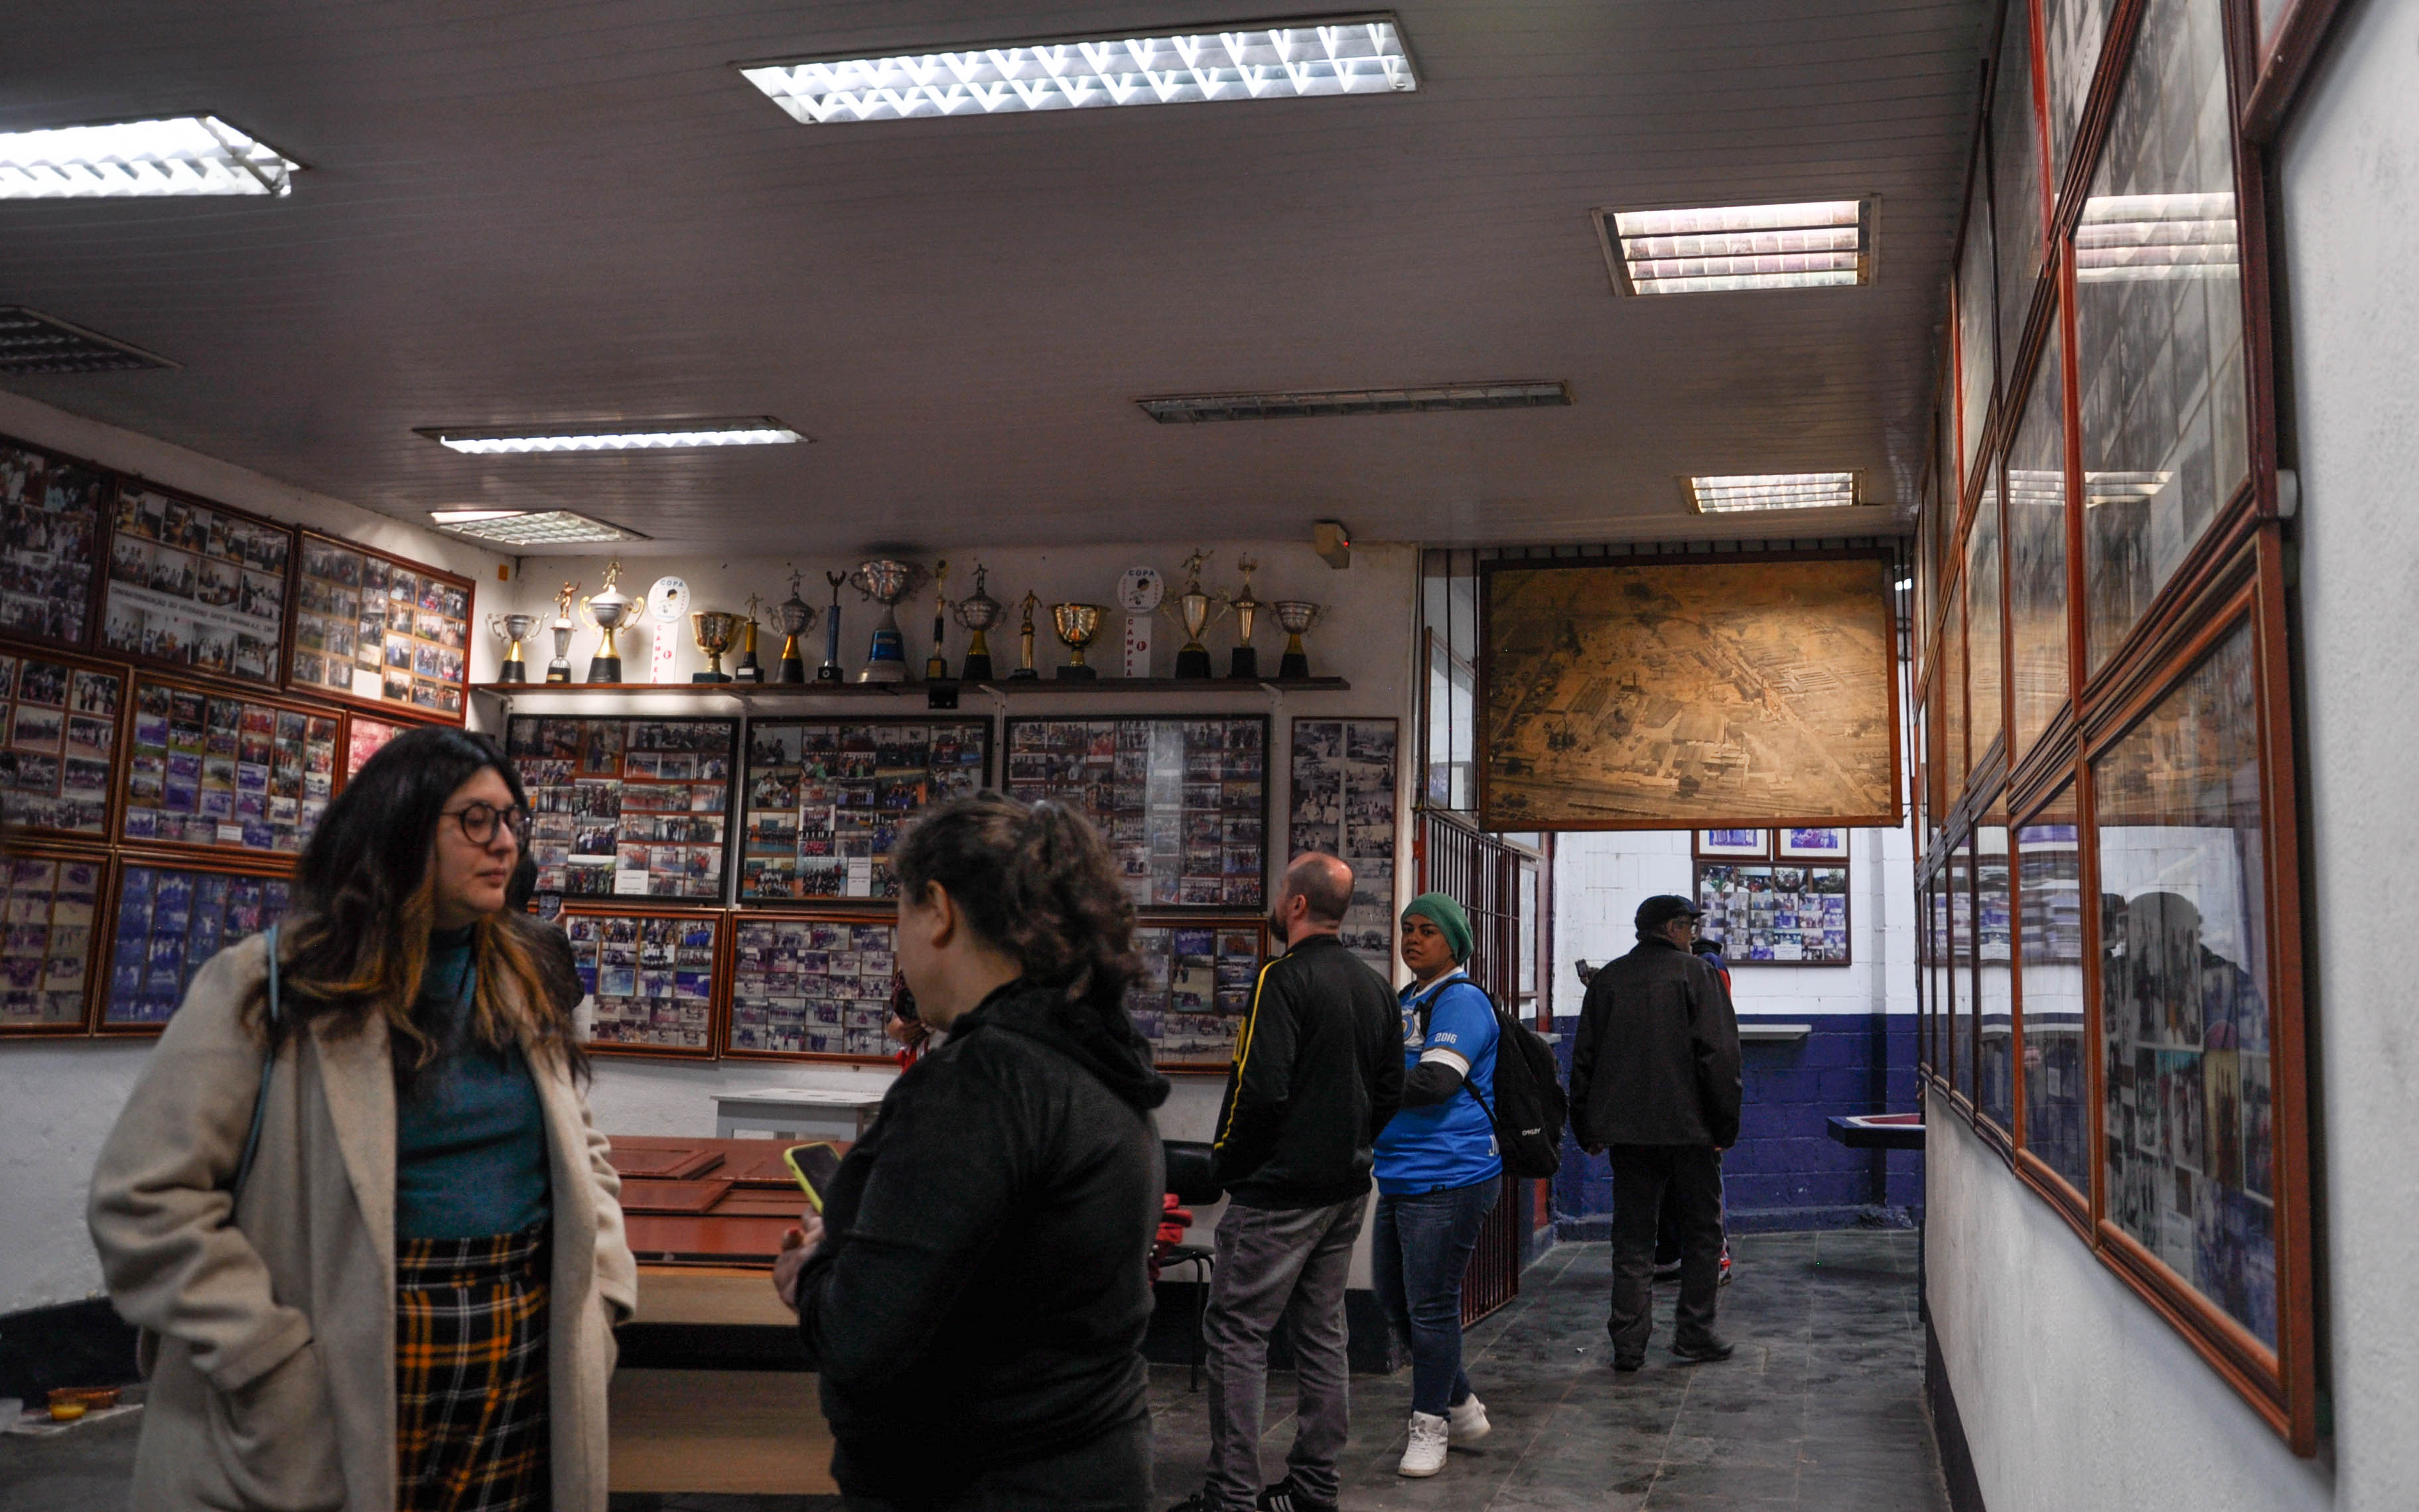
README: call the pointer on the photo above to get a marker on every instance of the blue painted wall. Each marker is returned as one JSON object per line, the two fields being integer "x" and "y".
{"x": 1786, "y": 1171}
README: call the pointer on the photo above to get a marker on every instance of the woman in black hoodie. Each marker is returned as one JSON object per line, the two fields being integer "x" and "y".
{"x": 976, "y": 1294}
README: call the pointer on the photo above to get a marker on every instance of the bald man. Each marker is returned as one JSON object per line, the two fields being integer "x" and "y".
{"x": 1318, "y": 1069}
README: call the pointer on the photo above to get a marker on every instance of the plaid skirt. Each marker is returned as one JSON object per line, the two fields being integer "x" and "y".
{"x": 470, "y": 1375}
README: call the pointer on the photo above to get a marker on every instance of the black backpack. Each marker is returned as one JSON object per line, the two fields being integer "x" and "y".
{"x": 1529, "y": 1107}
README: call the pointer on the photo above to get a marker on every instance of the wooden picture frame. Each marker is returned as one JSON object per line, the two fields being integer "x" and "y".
{"x": 53, "y": 903}
{"x": 209, "y": 770}
{"x": 1731, "y": 844}
{"x": 854, "y": 780}
{"x": 1196, "y": 987}
{"x": 55, "y": 513}
{"x": 168, "y": 914}
{"x": 1100, "y": 763}
{"x": 1811, "y": 844}
{"x": 344, "y": 595}
{"x": 1754, "y": 933}
{"x": 646, "y": 1005}
{"x": 586, "y": 776}
{"x": 63, "y": 720}
{"x": 802, "y": 988}
{"x": 196, "y": 588}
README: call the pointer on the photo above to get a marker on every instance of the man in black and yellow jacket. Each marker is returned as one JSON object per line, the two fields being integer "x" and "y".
{"x": 1318, "y": 1069}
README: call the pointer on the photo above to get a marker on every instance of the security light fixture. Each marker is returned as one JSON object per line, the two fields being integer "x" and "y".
{"x": 1179, "y": 409}
{"x": 32, "y": 343}
{"x": 520, "y": 527}
{"x": 1810, "y": 244}
{"x": 140, "y": 160}
{"x": 1741, "y": 493}
{"x": 2132, "y": 237}
{"x": 1358, "y": 54}
{"x": 613, "y": 436}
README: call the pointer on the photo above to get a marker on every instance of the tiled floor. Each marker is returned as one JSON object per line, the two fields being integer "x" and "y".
{"x": 1821, "y": 1409}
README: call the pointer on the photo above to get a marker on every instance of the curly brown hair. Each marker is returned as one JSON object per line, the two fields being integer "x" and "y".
{"x": 1036, "y": 883}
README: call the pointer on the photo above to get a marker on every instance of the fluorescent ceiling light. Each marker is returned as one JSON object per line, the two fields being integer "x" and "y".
{"x": 178, "y": 155}
{"x": 1811, "y": 244}
{"x": 1334, "y": 55}
{"x": 613, "y": 436}
{"x": 516, "y": 527}
{"x": 34, "y": 343}
{"x": 1292, "y": 405}
{"x": 2123, "y": 487}
{"x": 2130, "y": 236}
{"x": 1742, "y": 492}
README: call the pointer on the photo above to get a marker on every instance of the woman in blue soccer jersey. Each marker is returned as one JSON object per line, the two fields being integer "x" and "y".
{"x": 1438, "y": 1175}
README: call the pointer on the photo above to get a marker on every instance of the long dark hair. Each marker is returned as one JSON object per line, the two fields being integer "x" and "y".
{"x": 1037, "y": 884}
{"x": 356, "y": 941}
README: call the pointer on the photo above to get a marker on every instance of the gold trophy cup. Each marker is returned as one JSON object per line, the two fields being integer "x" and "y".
{"x": 1294, "y": 616}
{"x": 1193, "y": 609}
{"x": 749, "y": 669}
{"x": 559, "y": 669}
{"x": 715, "y": 630}
{"x": 978, "y": 611}
{"x": 794, "y": 617}
{"x": 1245, "y": 663}
{"x": 512, "y": 629}
{"x": 607, "y": 611}
{"x": 1077, "y": 624}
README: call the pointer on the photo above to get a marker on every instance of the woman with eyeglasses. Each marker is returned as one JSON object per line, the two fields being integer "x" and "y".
{"x": 358, "y": 1208}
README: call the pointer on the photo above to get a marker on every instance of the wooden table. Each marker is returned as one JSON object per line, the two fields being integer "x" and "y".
{"x": 741, "y": 1227}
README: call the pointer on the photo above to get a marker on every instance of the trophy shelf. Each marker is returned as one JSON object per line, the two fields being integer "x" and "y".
{"x": 1016, "y": 686}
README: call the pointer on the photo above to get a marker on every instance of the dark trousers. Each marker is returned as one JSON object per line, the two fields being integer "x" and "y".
{"x": 1643, "y": 1176}
{"x": 1110, "y": 1473}
{"x": 1417, "y": 1254}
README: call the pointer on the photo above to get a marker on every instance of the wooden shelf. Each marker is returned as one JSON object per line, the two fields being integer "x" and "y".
{"x": 1011, "y": 688}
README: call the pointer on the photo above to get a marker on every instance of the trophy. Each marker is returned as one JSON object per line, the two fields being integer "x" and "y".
{"x": 794, "y": 617}
{"x": 830, "y": 672}
{"x": 607, "y": 611}
{"x": 559, "y": 669}
{"x": 512, "y": 629}
{"x": 978, "y": 611}
{"x": 1245, "y": 663}
{"x": 1294, "y": 616}
{"x": 1077, "y": 624}
{"x": 1024, "y": 668}
{"x": 936, "y": 666}
{"x": 715, "y": 630}
{"x": 1194, "y": 610}
{"x": 886, "y": 581}
{"x": 749, "y": 669}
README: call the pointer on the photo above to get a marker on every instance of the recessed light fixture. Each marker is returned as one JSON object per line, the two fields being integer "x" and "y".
{"x": 1181, "y": 409}
{"x": 1720, "y": 249}
{"x": 2125, "y": 237}
{"x": 2123, "y": 487}
{"x": 1739, "y": 493}
{"x": 140, "y": 160}
{"x": 33, "y": 343}
{"x": 613, "y": 436}
{"x": 1359, "y": 54}
{"x": 522, "y": 527}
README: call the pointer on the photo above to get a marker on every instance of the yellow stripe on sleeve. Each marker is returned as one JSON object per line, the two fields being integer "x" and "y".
{"x": 1243, "y": 1052}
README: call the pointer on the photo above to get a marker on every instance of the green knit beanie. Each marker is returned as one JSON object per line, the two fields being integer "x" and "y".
{"x": 1447, "y": 915}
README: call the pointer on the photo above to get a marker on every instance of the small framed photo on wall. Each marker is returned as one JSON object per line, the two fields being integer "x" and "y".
{"x": 1742, "y": 844}
{"x": 1814, "y": 845}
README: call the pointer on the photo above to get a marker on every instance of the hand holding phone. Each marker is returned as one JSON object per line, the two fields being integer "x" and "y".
{"x": 813, "y": 1165}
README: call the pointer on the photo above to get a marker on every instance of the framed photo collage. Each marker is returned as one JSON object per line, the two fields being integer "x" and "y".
{"x": 170, "y": 734}
{"x": 1774, "y": 897}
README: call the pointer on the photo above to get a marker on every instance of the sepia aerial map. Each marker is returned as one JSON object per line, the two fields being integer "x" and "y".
{"x": 1687, "y": 695}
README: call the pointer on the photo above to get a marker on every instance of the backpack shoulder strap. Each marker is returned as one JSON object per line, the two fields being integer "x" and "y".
{"x": 268, "y": 1065}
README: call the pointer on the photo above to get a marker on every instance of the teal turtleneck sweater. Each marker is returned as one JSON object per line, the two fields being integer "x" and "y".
{"x": 470, "y": 1131}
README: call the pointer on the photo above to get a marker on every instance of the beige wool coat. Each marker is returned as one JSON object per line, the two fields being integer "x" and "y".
{"x": 269, "y": 1323}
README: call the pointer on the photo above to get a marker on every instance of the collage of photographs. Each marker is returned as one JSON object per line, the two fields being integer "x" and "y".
{"x": 50, "y": 910}
{"x": 1343, "y": 805}
{"x": 61, "y": 737}
{"x": 1196, "y": 988}
{"x": 825, "y": 799}
{"x": 626, "y": 807}
{"x": 170, "y": 921}
{"x": 209, "y": 770}
{"x": 651, "y": 976}
{"x": 1183, "y": 802}
{"x": 196, "y": 586}
{"x": 1775, "y": 915}
{"x": 820, "y": 986}
{"x": 377, "y": 628}
{"x": 51, "y": 515}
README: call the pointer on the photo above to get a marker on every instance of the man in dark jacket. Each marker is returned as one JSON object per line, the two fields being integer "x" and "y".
{"x": 1655, "y": 1080}
{"x": 1318, "y": 1069}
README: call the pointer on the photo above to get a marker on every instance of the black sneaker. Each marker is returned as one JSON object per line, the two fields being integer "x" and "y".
{"x": 1626, "y": 1363}
{"x": 1284, "y": 1496}
{"x": 1667, "y": 1270}
{"x": 1198, "y": 1502}
{"x": 1701, "y": 1352}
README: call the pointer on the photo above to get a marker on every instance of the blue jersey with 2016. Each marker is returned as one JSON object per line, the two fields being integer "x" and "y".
{"x": 1452, "y": 1143}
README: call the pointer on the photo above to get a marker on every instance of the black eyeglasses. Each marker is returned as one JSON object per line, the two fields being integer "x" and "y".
{"x": 479, "y": 821}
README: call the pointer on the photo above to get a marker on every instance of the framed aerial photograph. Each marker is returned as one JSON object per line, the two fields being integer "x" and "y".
{"x": 626, "y": 806}
{"x": 1802, "y": 844}
{"x": 1195, "y": 989}
{"x": 1341, "y": 802}
{"x": 380, "y": 628}
{"x": 1182, "y": 801}
{"x": 1735, "y": 844}
{"x": 1683, "y": 692}
{"x": 53, "y": 513}
{"x": 826, "y": 800}
{"x": 651, "y": 976}
{"x": 810, "y": 985}
{"x": 196, "y": 586}
{"x": 168, "y": 919}
{"x": 52, "y": 899}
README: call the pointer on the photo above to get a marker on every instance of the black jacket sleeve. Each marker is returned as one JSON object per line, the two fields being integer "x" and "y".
{"x": 1593, "y": 1010}
{"x": 1387, "y": 1090}
{"x": 1260, "y": 1088}
{"x": 1713, "y": 1033}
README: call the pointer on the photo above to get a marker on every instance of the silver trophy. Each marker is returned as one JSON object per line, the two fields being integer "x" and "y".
{"x": 1294, "y": 616}
{"x": 512, "y": 629}
{"x": 794, "y": 617}
{"x": 1194, "y": 608}
{"x": 978, "y": 611}
{"x": 559, "y": 669}
{"x": 886, "y": 581}
{"x": 607, "y": 611}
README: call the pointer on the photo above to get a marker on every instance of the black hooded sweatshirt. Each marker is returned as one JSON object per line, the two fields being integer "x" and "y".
{"x": 982, "y": 1289}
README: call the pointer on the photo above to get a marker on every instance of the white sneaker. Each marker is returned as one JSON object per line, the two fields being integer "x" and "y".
{"x": 1467, "y": 1422}
{"x": 1424, "y": 1453}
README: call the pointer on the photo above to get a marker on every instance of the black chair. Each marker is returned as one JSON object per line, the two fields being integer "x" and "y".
{"x": 1195, "y": 1185}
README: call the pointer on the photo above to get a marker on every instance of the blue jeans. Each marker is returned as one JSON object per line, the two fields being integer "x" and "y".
{"x": 1418, "y": 1251}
